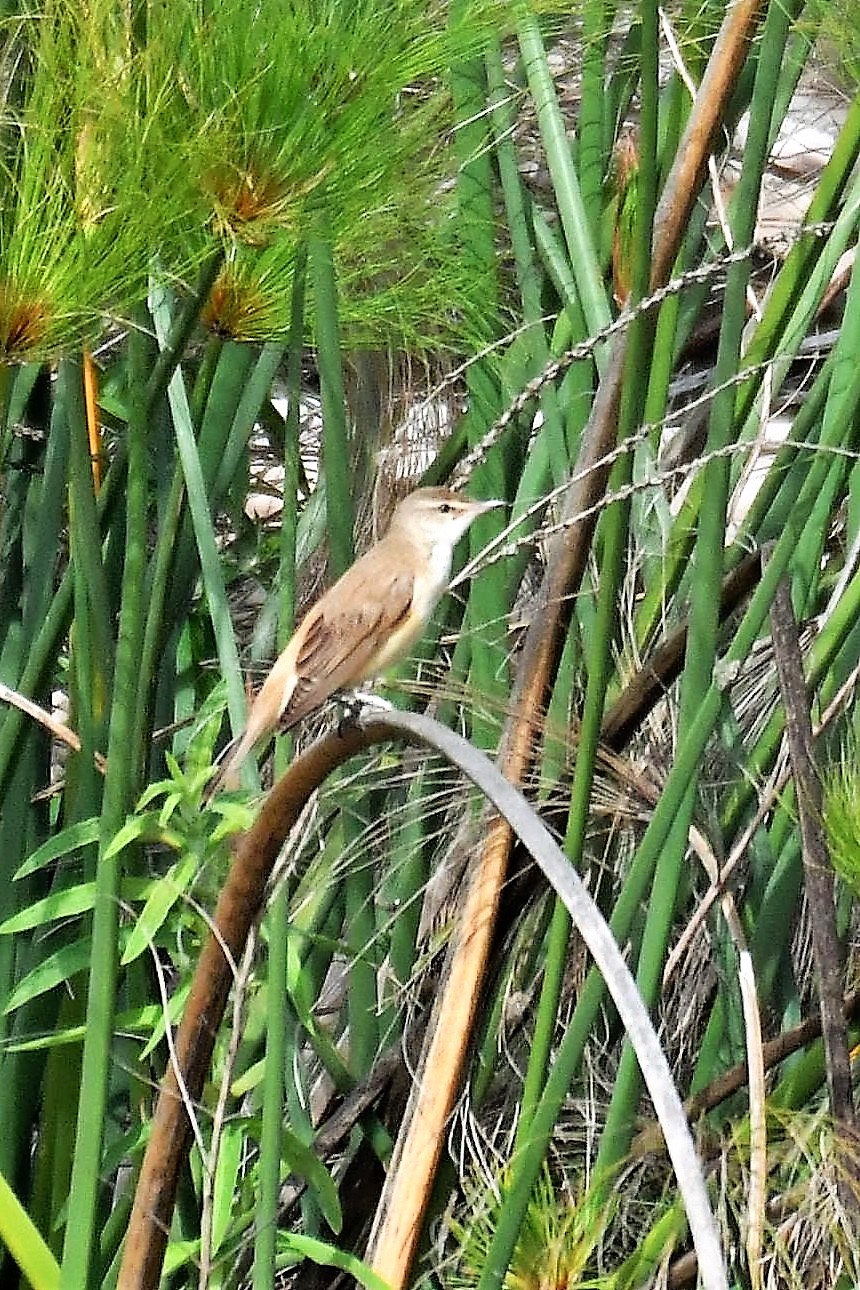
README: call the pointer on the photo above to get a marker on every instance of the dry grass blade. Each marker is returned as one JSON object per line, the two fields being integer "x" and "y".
{"x": 757, "y": 1198}
{"x": 57, "y": 728}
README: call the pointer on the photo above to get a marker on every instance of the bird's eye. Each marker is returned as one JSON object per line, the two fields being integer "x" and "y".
{"x": 445, "y": 508}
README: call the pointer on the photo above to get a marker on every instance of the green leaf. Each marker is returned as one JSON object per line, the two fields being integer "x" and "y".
{"x": 304, "y": 1162}
{"x": 171, "y": 803}
{"x": 60, "y": 904}
{"x": 68, "y": 903}
{"x": 78, "y": 835}
{"x": 163, "y": 897}
{"x": 175, "y": 1006}
{"x": 248, "y": 1080}
{"x": 179, "y": 1253}
{"x": 24, "y": 1242}
{"x": 329, "y": 1256}
{"x": 135, "y": 1022}
{"x": 152, "y": 792}
{"x": 142, "y": 828}
{"x": 224, "y": 1188}
{"x": 56, "y": 969}
{"x": 236, "y": 817}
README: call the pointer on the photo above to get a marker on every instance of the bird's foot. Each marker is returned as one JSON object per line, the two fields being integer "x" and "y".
{"x": 353, "y": 701}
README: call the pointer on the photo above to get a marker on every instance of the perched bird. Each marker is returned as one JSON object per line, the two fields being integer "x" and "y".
{"x": 366, "y": 622}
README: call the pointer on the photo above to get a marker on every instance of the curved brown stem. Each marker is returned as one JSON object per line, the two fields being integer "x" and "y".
{"x": 238, "y": 906}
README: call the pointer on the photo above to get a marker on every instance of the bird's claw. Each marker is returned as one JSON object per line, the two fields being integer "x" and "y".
{"x": 354, "y": 701}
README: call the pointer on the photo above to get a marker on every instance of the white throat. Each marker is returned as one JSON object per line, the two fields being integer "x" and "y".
{"x": 440, "y": 556}
{"x": 435, "y": 573}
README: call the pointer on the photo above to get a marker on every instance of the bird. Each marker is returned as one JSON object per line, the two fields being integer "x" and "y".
{"x": 364, "y": 623}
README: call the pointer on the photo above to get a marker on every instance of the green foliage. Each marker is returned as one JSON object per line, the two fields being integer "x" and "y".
{"x": 839, "y": 32}
{"x": 25, "y": 1243}
{"x": 210, "y": 201}
{"x": 841, "y": 817}
{"x": 558, "y": 1243}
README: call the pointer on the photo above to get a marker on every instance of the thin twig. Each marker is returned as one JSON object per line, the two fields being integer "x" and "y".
{"x": 220, "y": 1114}
{"x": 818, "y": 874}
{"x": 774, "y": 1051}
{"x": 57, "y": 728}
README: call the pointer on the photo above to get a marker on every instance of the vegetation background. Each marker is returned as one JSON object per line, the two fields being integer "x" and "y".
{"x": 343, "y": 247}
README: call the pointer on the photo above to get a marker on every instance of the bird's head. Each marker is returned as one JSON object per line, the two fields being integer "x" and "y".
{"x": 437, "y": 517}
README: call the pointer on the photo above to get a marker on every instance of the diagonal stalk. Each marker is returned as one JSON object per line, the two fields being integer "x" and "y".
{"x": 119, "y": 792}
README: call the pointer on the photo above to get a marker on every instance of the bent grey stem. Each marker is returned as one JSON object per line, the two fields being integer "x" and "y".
{"x": 594, "y": 930}
{"x": 239, "y": 903}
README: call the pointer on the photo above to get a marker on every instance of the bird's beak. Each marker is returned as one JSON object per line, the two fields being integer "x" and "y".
{"x": 481, "y": 508}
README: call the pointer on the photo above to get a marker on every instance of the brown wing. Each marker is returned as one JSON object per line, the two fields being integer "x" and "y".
{"x": 343, "y": 635}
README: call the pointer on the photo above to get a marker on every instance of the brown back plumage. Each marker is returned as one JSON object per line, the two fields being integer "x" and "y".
{"x": 370, "y": 618}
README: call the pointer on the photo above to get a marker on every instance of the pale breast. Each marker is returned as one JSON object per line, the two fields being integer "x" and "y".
{"x": 433, "y": 570}
{"x": 433, "y": 579}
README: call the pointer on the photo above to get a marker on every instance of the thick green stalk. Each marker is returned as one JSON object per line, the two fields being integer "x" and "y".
{"x": 798, "y": 267}
{"x": 279, "y": 1012}
{"x": 787, "y": 477}
{"x": 158, "y": 581}
{"x": 592, "y": 159}
{"x": 229, "y": 381}
{"x": 91, "y": 646}
{"x": 599, "y": 670}
{"x": 20, "y": 460}
{"x": 403, "y": 889}
{"x": 697, "y": 682}
{"x": 614, "y": 549}
{"x": 240, "y": 401}
{"x": 251, "y": 398}
{"x": 213, "y": 433}
{"x": 336, "y": 438}
{"x": 482, "y": 642}
{"x": 35, "y": 668}
{"x": 528, "y": 274}
{"x": 198, "y": 502}
{"x": 7, "y": 385}
{"x": 182, "y": 328}
{"x": 205, "y": 376}
{"x": 337, "y": 456}
{"x": 23, "y": 825}
{"x": 578, "y": 235}
{"x": 843, "y": 398}
{"x": 704, "y": 619}
{"x": 119, "y": 793}
{"x": 361, "y": 940}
